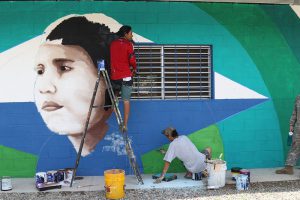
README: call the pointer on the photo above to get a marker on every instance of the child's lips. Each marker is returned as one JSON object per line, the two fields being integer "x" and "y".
{"x": 50, "y": 106}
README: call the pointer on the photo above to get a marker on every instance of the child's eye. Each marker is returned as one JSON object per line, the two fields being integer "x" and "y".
{"x": 40, "y": 70}
{"x": 65, "y": 68}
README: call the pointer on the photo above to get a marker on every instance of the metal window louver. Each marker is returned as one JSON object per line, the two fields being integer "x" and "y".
{"x": 173, "y": 72}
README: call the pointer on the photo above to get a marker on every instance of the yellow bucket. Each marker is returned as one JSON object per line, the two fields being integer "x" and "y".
{"x": 114, "y": 183}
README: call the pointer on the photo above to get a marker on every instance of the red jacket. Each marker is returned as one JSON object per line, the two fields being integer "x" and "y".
{"x": 121, "y": 58}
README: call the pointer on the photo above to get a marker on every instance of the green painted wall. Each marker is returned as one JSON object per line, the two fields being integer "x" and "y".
{"x": 16, "y": 163}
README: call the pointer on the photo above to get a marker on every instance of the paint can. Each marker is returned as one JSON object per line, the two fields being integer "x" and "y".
{"x": 6, "y": 183}
{"x": 217, "y": 174}
{"x": 242, "y": 182}
{"x": 40, "y": 177}
{"x": 245, "y": 172}
{"x": 235, "y": 171}
{"x": 68, "y": 174}
{"x": 114, "y": 183}
{"x": 197, "y": 176}
{"x": 59, "y": 176}
{"x": 51, "y": 176}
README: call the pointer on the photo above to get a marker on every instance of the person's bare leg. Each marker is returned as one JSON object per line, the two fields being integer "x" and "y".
{"x": 126, "y": 112}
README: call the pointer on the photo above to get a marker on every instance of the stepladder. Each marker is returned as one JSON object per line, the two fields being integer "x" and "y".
{"x": 102, "y": 72}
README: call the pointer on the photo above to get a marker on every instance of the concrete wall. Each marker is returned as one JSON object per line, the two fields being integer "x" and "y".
{"x": 256, "y": 61}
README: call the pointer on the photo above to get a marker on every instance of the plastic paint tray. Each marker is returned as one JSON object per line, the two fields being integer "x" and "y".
{"x": 43, "y": 186}
{"x": 168, "y": 177}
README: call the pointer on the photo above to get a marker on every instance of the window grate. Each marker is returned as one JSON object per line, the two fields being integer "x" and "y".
{"x": 173, "y": 72}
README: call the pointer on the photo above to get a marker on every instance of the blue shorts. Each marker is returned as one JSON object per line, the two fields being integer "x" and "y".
{"x": 125, "y": 87}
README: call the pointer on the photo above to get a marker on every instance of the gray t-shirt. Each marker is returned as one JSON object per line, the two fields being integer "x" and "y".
{"x": 182, "y": 148}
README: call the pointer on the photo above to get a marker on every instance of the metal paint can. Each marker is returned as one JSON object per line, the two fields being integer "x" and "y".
{"x": 68, "y": 174}
{"x": 197, "y": 176}
{"x": 59, "y": 176}
{"x": 242, "y": 182}
{"x": 40, "y": 177}
{"x": 235, "y": 171}
{"x": 6, "y": 183}
{"x": 245, "y": 172}
{"x": 51, "y": 176}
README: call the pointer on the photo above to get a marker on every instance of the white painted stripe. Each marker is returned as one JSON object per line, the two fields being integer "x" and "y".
{"x": 296, "y": 9}
{"x": 16, "y": 72}
{"x": 228, "y": 89}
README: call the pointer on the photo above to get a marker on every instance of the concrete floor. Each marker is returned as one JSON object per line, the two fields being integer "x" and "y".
{"x": 96, "y": 183}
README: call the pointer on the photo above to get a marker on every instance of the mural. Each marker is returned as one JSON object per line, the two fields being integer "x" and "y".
{"x": 66, "y": 73}
{"x": 46, "y": 84}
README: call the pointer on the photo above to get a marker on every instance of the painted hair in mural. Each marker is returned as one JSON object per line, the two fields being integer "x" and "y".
{"x": 66, "y": 73}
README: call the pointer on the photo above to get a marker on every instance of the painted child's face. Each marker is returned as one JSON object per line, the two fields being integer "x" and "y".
{"x": 64, "y": 87}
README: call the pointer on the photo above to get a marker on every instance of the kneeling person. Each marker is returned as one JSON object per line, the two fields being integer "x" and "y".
{"x": 182, "y": 148}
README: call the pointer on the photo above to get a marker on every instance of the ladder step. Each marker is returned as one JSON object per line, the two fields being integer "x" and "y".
{"x": 115, "y": 105}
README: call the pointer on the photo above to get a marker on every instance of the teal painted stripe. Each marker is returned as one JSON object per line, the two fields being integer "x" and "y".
{"x": 268, "y": 49}
{"x": 251, "y": 138}
{"x": 289, "y": 25}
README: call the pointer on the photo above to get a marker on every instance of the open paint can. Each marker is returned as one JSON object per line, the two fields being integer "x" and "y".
{"x": 242, "y": 182}
{"x": 235, "y": 171}
{"x": 246, "y": 172}
{"x": 217, "y": 174}
{"x": 40, "y": 177}
{"x": 6, "y": 183}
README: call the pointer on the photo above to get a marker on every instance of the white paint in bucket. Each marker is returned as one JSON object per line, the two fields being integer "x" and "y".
{"x": 217, "y": 173}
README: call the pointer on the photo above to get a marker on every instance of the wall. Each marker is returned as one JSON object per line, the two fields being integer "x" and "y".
{"x": 256, "y": 52}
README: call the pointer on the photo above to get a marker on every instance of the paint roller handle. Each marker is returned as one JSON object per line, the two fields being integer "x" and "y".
{"x": 220, "y": 156}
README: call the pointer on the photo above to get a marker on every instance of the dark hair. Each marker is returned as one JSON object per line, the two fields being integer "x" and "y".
{"x": 174, "y": 133}
{"x": 94, "y": 38}
{"x": 170, "y": 131}
{"x": 124, "y": 30}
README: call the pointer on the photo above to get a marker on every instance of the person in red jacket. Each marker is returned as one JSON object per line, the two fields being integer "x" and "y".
{"x": 123, "y": 68}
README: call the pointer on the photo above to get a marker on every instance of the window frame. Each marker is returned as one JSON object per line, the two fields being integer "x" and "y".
{"x": 160, "y": 65}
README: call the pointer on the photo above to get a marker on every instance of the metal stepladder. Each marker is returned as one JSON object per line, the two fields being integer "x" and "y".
{"x": 132, "y": 159}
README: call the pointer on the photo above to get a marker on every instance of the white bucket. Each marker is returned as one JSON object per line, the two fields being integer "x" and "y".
{"x": 217, "y": 173}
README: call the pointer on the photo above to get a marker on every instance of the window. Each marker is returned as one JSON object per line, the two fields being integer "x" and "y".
{"x": 173, "y": 72}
